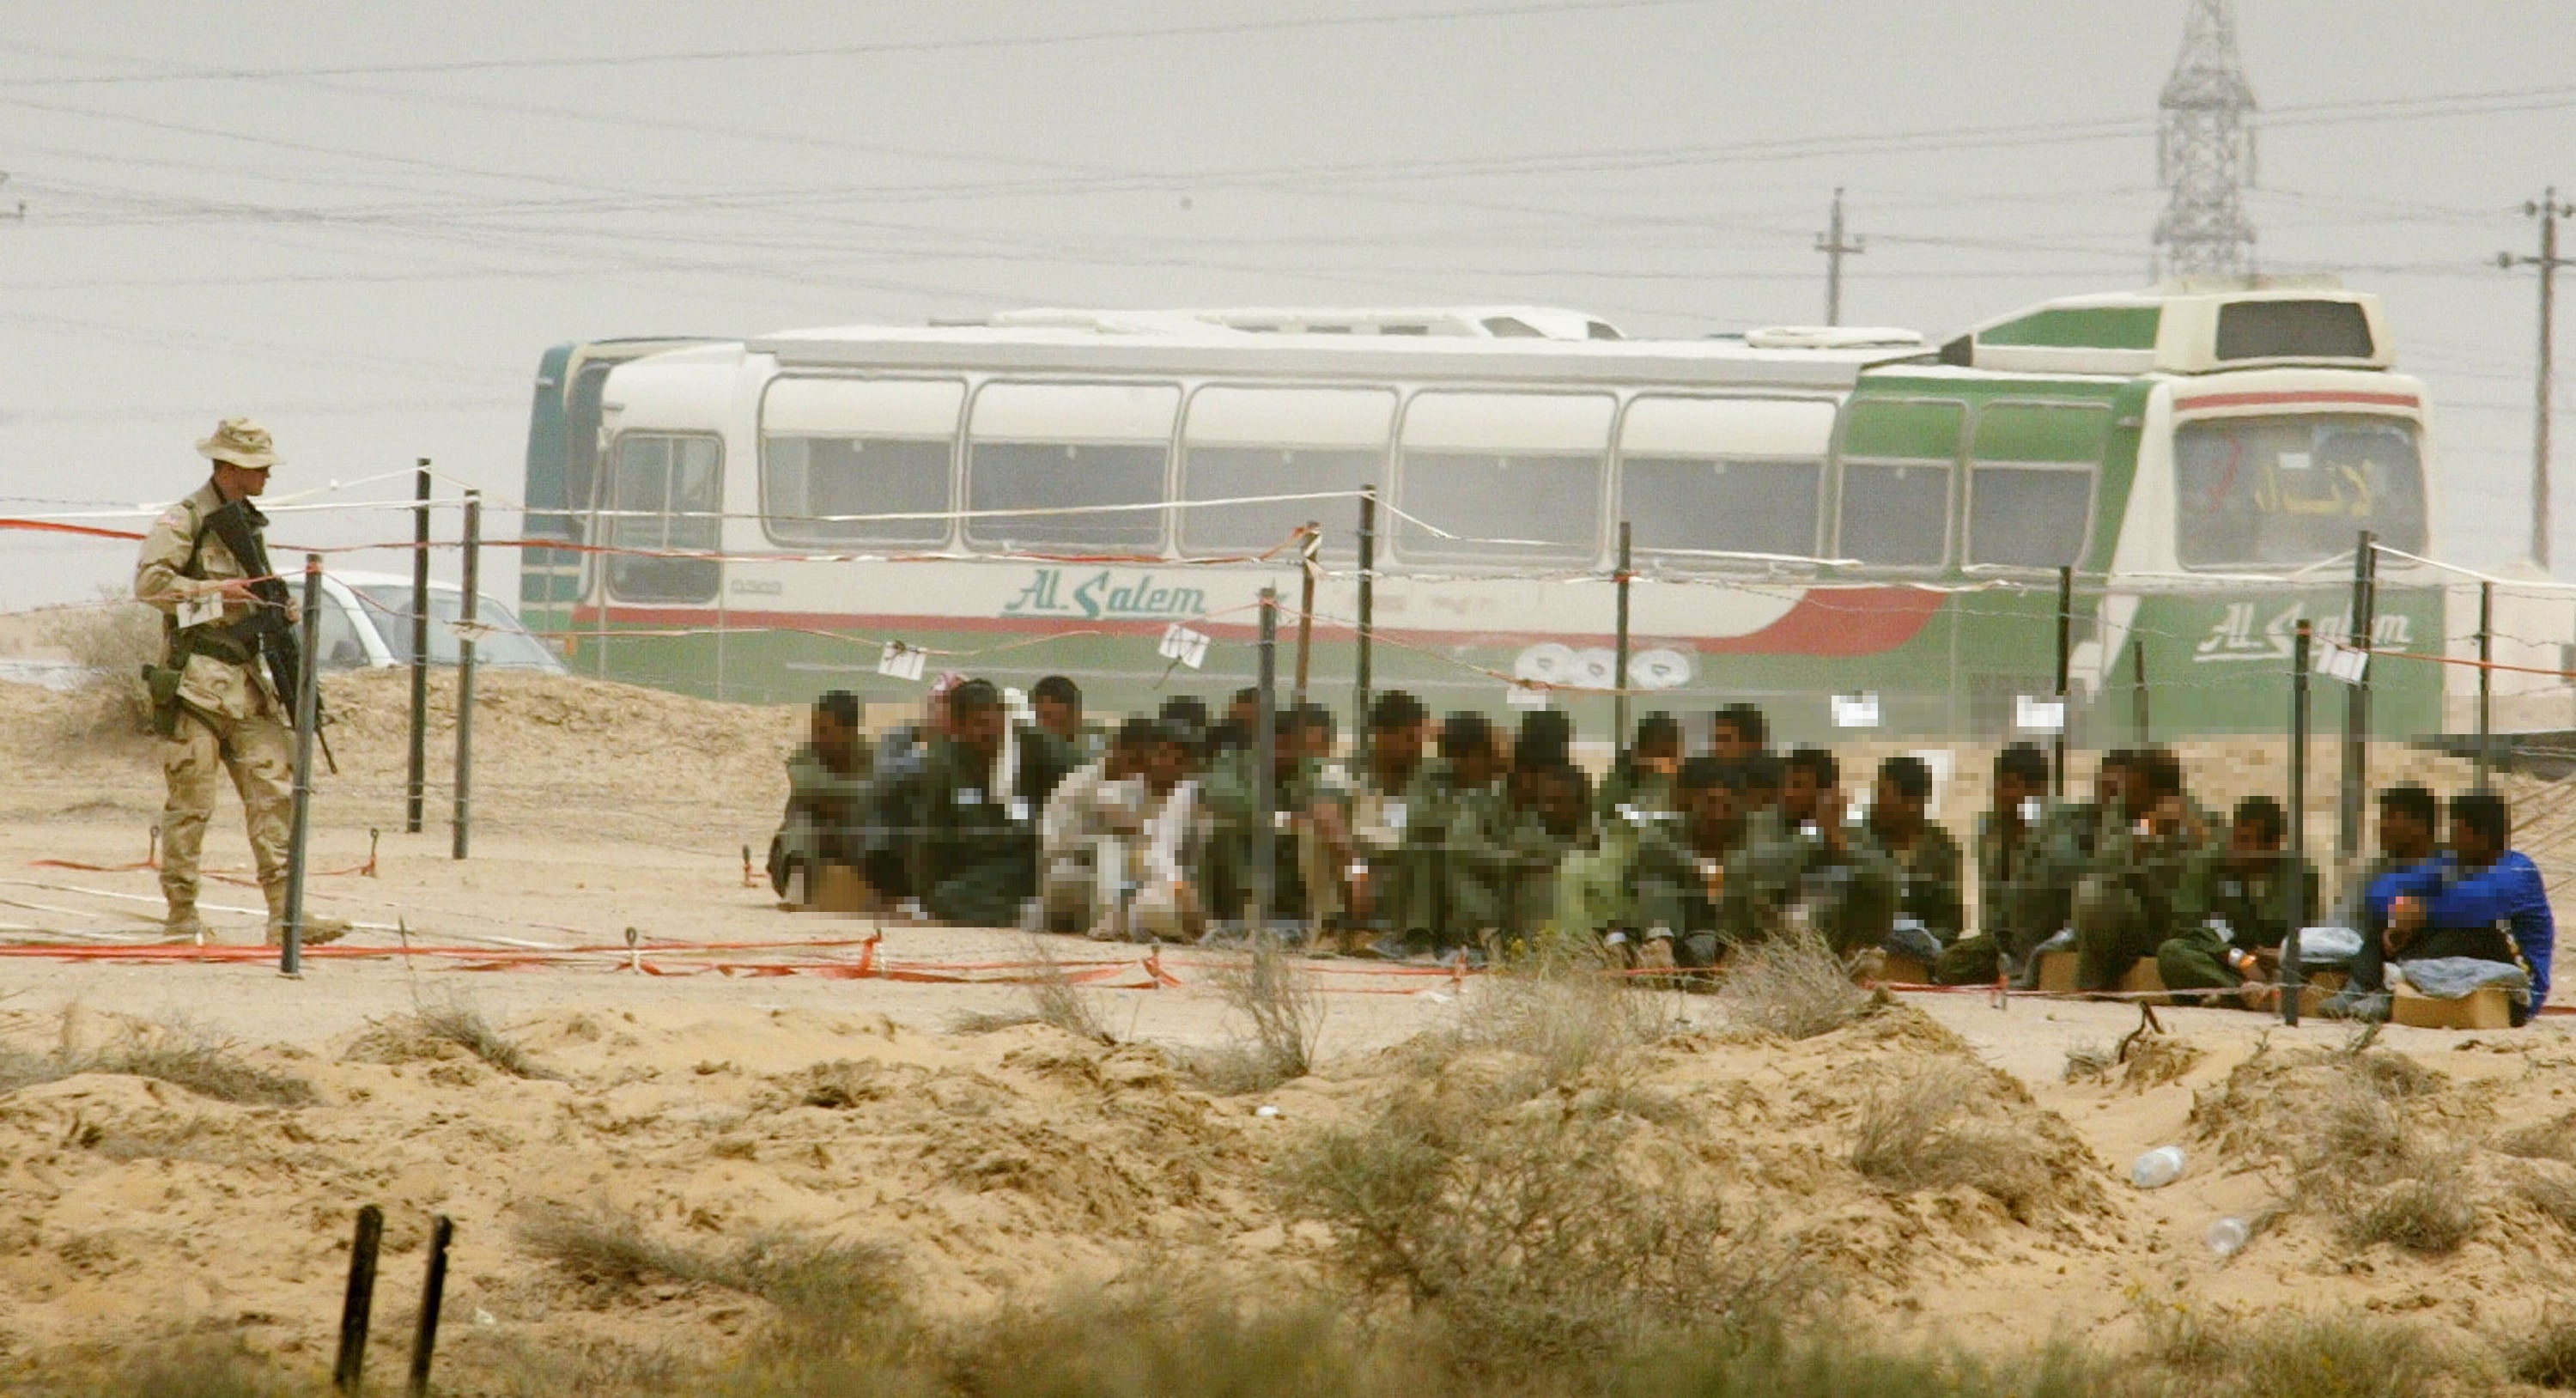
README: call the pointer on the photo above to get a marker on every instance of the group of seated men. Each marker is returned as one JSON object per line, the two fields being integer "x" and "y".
{"x": 1457, "y": 837}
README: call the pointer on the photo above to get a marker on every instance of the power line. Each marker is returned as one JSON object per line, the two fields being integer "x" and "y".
{"x": 1222, "y": 29}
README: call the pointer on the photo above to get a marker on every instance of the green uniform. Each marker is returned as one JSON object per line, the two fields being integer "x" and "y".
{"x": 1460, "y": 830}
{"x": 825, "y": 819}
{"x": 969, "y": 851}
{"x": 1929, "y": 879}
{"x": 1850, "y": 897}
{"x": 2017, "y": 906}
{"x": 1380, "y": 817}
{"x": 2258, "y": 909}
{"x": 1233, "y": 800}
{"x": 1532, "y": 860}
{"x": 2142, "y": 890}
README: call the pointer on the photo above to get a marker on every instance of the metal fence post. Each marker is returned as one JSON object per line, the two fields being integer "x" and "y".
{"x": 1361, "y": 677}
{"x": 433, "y": 1295}
{"x": 2291, "y": 979}
{"x": 299, "y": 837}
{"x": 416, "y": 784}
{"x": 1265, "y": 743}
{"x": 2065, "y": 667}
{"x": 350, "y": 1366}
{"x": 1309, "y": 555}
{"x": 1619, "y": 656}
{"x": 465, "y": 674}
{"x": 2138, "y": 696}
{"x": 2356, "y": 703}
{"x": 2486, "y": 683}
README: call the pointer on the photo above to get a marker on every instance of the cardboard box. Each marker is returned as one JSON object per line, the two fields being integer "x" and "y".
{"x": 2057, "y": 975}
{"x": 2143, "y": 978}
{"x": 1904, "y": 970}
{"x": 2489, "y": 1007}
{"x": 837, "y": 888}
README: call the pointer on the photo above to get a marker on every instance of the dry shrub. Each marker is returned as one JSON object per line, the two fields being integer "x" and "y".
{"x": 432, "y": 1031}
{"x": 2156, "y": 1059}
{"x": 2344, "y": 1123}
{"x": 1054, "y": 1000}
{"x": 2547, "y": 1140}
{"x": 2090, "y": 1061}
{"x": 1943, "y": 1126}
{"x": 1563, "y": 1018}
{"x": 2550, "y": 1188}
{"x": 187, "y": 1057}
{"x": 1281, "y": 1011}
{"x": 2545, "y": 1355}
{"x": 991, "y": 1021}
{"x": 114, "y": 641}
{"x": 1541, "y": 1230}
{"x": 807, "y": 1279}
{"x": 192, "y": 1366}
{"x": 2349, "y": 1354}
{"x": 1791, "y": 984}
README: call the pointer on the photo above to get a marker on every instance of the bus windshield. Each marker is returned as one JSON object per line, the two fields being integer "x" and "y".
{"x": 2291, "y": 490}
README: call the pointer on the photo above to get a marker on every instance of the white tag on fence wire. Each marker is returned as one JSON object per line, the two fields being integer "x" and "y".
{"x": 902, "y": 662}
{"x": 1526, "y": 696}
{"x": 2342, "y": 662}
{"x": 1184, "y": 645}
{"x": 1855, "y": 711}
{"x": 2033, "y": 715}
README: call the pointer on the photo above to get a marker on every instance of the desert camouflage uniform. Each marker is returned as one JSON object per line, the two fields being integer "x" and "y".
{"x": 231, "y": 720}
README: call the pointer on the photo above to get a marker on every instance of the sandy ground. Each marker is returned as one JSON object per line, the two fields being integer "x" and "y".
{"x": 756, "y": 1083}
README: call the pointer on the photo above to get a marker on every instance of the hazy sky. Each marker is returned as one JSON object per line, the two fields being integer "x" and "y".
{"x": 364, "y": 223}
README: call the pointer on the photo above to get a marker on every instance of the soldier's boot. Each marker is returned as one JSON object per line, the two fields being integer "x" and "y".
{"x": 317, "y": 928}
{"x": 183, "y": 925}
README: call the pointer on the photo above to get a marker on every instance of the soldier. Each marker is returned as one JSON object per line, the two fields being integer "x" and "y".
{"x": 1643, "y": 779}
{"x": 1930, "y": 910}
{"x": 827, "y": 797}
{"x": 1384, "y": 870}
{"x": 1805, "y": 857}
{"x": 2257, "y": 894}
{"x": 2149, "y": 874}
{"x": 970, "y": 846}
{"x": 1593, "y": 890}
{"x": 1458, "y": 829}
{"x": 1549, "y": 821}
{"x": 1738, "y": 732}
{"x": 216, "y": 704}
{"x": 2016, "y": 909}
{"x": 1680, "y": 871}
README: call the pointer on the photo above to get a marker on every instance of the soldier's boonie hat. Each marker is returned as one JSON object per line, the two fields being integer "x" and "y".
{"x": 240, "y": 442}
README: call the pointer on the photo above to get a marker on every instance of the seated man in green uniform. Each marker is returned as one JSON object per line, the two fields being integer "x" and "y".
{"x": 1457, "y": 828}
{"x": 827, "y": 788}
{"x": 1679, "y": 874}
{"x": 1931, "y": 907}
{"x": 2148, "y": 877}
{"x": 1643, "y": 778}
{"x": 969, "y": 836}
{"x": 2017, "y": 906}
{"x": 1549, "y": 821}
{"x": 1382, "y": 872}
{"x": 2257, "y": 893}
{"x": 1738, "y": 732}
{"x": 1804, "y": 859}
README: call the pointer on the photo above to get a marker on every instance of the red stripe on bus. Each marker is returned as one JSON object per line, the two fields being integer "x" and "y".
{"x": 2252, "y": 400}
{"x": 1825, "y": 622}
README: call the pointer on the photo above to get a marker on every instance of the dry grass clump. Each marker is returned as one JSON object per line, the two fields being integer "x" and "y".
{"x": 991, "y": 1021}
{"x": 2156, "y": 1059}
{"x": 1559, "y": 1018}
{"x": 1791, "y": 984}
{"x": 1281, "y": 1012}
{"x": 177, "y": 1053}
{"x": 2090, "y": 1061}
{"x": 1541, "y": 1230}
{"x": 612, "y": 1252}
{"x": 114, "y": 640}
{"x": 2545, "y": 1355}
{"x": 187, "y": 1366}
{"x": 2345, "y": 1123}
{"x": 1055, "y": 1000}
{"x": 433, "y": 1031}
{"x": 1943, "y": 1126}
{"x": 2291, "y": 1354}
{"x": 2550, "y": 1188}
{"x": 2547, "y": 1140}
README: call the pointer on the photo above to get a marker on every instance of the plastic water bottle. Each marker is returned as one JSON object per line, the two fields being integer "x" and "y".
{"x": 2227, "y": 1237}
{"x": 2157, "y": 1168}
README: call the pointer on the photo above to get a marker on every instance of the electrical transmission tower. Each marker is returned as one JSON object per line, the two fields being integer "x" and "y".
{"x": 2205, "y": 150}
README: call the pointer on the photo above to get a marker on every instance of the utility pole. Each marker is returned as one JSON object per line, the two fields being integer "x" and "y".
{"x": 2205, "y": 150}
{"x": 1832, "y": 244}
{"x": 2548, "y": 209}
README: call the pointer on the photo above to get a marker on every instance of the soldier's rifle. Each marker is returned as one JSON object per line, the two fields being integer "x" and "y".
{"x": 269, "y": 625}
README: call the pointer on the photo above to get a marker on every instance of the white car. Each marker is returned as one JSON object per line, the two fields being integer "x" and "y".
{"x": 366, "y": 625}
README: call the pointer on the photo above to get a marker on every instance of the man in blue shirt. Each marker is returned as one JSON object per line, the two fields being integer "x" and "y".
{"x": 2481, "y": 900}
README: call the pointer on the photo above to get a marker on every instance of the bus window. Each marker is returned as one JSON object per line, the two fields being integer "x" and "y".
{"x": 2290, "y": 490}
{"x": 665, "y": 492}
{"x": 1724, "y": 475}
{"x": 1511, "y": 475}
{"x": 2030, "y": 483}
{"x": 831, "y": 447}
{"x": 1279, "y": 441}
{"x": 1897, "y": 459}
{"x": 1050, "y": 447}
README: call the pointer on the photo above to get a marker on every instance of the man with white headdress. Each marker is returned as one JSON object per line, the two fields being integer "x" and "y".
{"x": 216, "y": 706}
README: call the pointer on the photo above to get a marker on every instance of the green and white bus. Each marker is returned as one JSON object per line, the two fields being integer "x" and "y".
{"x": 1812, "y": 512}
